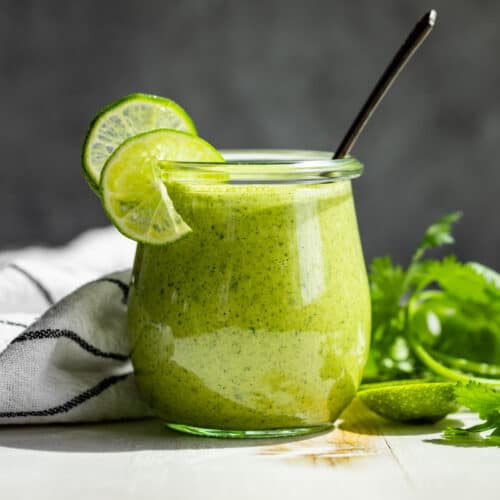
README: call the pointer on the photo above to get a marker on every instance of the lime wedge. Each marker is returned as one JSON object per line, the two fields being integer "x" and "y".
{"x": 410, "y": 400}
{"x": 133, "y": 190}
{"x": 124, "y": 118}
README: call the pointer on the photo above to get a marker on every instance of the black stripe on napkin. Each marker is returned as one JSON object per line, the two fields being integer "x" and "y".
{"x": 123, "y": 287}
{"x": 12, "y": 323}
{"x": 43, "y": 290}
{"x": 49, "y": 333}
{"x": 69, "y": 405}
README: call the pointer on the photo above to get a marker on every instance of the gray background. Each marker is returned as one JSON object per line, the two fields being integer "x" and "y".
{"x": 259, "y": 74}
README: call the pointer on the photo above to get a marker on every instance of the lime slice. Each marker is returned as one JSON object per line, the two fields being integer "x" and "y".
{"x": 124, "y": 118}
{"x": 410, "y": 400}
{"x": 133, "y": 191}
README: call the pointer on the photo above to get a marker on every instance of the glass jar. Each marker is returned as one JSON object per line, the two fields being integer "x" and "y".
{"x": 257, "y": 322}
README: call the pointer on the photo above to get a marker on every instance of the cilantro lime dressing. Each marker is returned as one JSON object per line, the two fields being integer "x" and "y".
{"x": 258, "y": 318}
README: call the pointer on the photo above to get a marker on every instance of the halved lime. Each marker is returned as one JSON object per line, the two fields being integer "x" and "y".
{"x": 133, "y": 190}
{"x": 124, "y": 118}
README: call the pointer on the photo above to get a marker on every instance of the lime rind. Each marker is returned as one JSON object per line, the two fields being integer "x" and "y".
{"x": 133, "y": 189}
{"x": 410, "y": 400}
{"x": 127, "y": 117}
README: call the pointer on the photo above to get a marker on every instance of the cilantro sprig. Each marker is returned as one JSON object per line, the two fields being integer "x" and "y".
{"x": 392, "y": 290}
{"x": 486, "y": 402}
{"x": 439, "y": 319}
{"x": 436, "y": 317}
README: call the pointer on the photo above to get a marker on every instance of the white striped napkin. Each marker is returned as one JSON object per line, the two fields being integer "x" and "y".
{"x": 63, "y": 339}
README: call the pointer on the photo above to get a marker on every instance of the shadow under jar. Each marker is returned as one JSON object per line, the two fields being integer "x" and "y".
{"x": 257, "y": 322}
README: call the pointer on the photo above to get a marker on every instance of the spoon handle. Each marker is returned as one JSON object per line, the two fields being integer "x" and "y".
{"x": 403, "y": 55}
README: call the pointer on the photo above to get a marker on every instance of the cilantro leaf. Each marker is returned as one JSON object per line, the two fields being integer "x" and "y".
{"x": 388, "y": 356}
{"x": 387, "y": 288}
{"x": 466, "y": 315}
{"x": 486, "y": 402}
{"x": 479, "y": 398}
{"x": 437, "y": 234}
{"x": 491, "y": 276}
{"x": 458, "y": 280}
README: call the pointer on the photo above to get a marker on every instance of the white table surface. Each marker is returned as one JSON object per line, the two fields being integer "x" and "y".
{"x": 364, "y": 455}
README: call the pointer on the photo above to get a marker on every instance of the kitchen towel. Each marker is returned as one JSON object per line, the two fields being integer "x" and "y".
{"x": 64, "y": 354}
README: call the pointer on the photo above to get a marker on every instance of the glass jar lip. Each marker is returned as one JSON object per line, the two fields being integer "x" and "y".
{"x": 273, "y": 165}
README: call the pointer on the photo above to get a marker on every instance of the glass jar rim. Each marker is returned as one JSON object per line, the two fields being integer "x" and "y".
{"x": 274, "y": 165}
